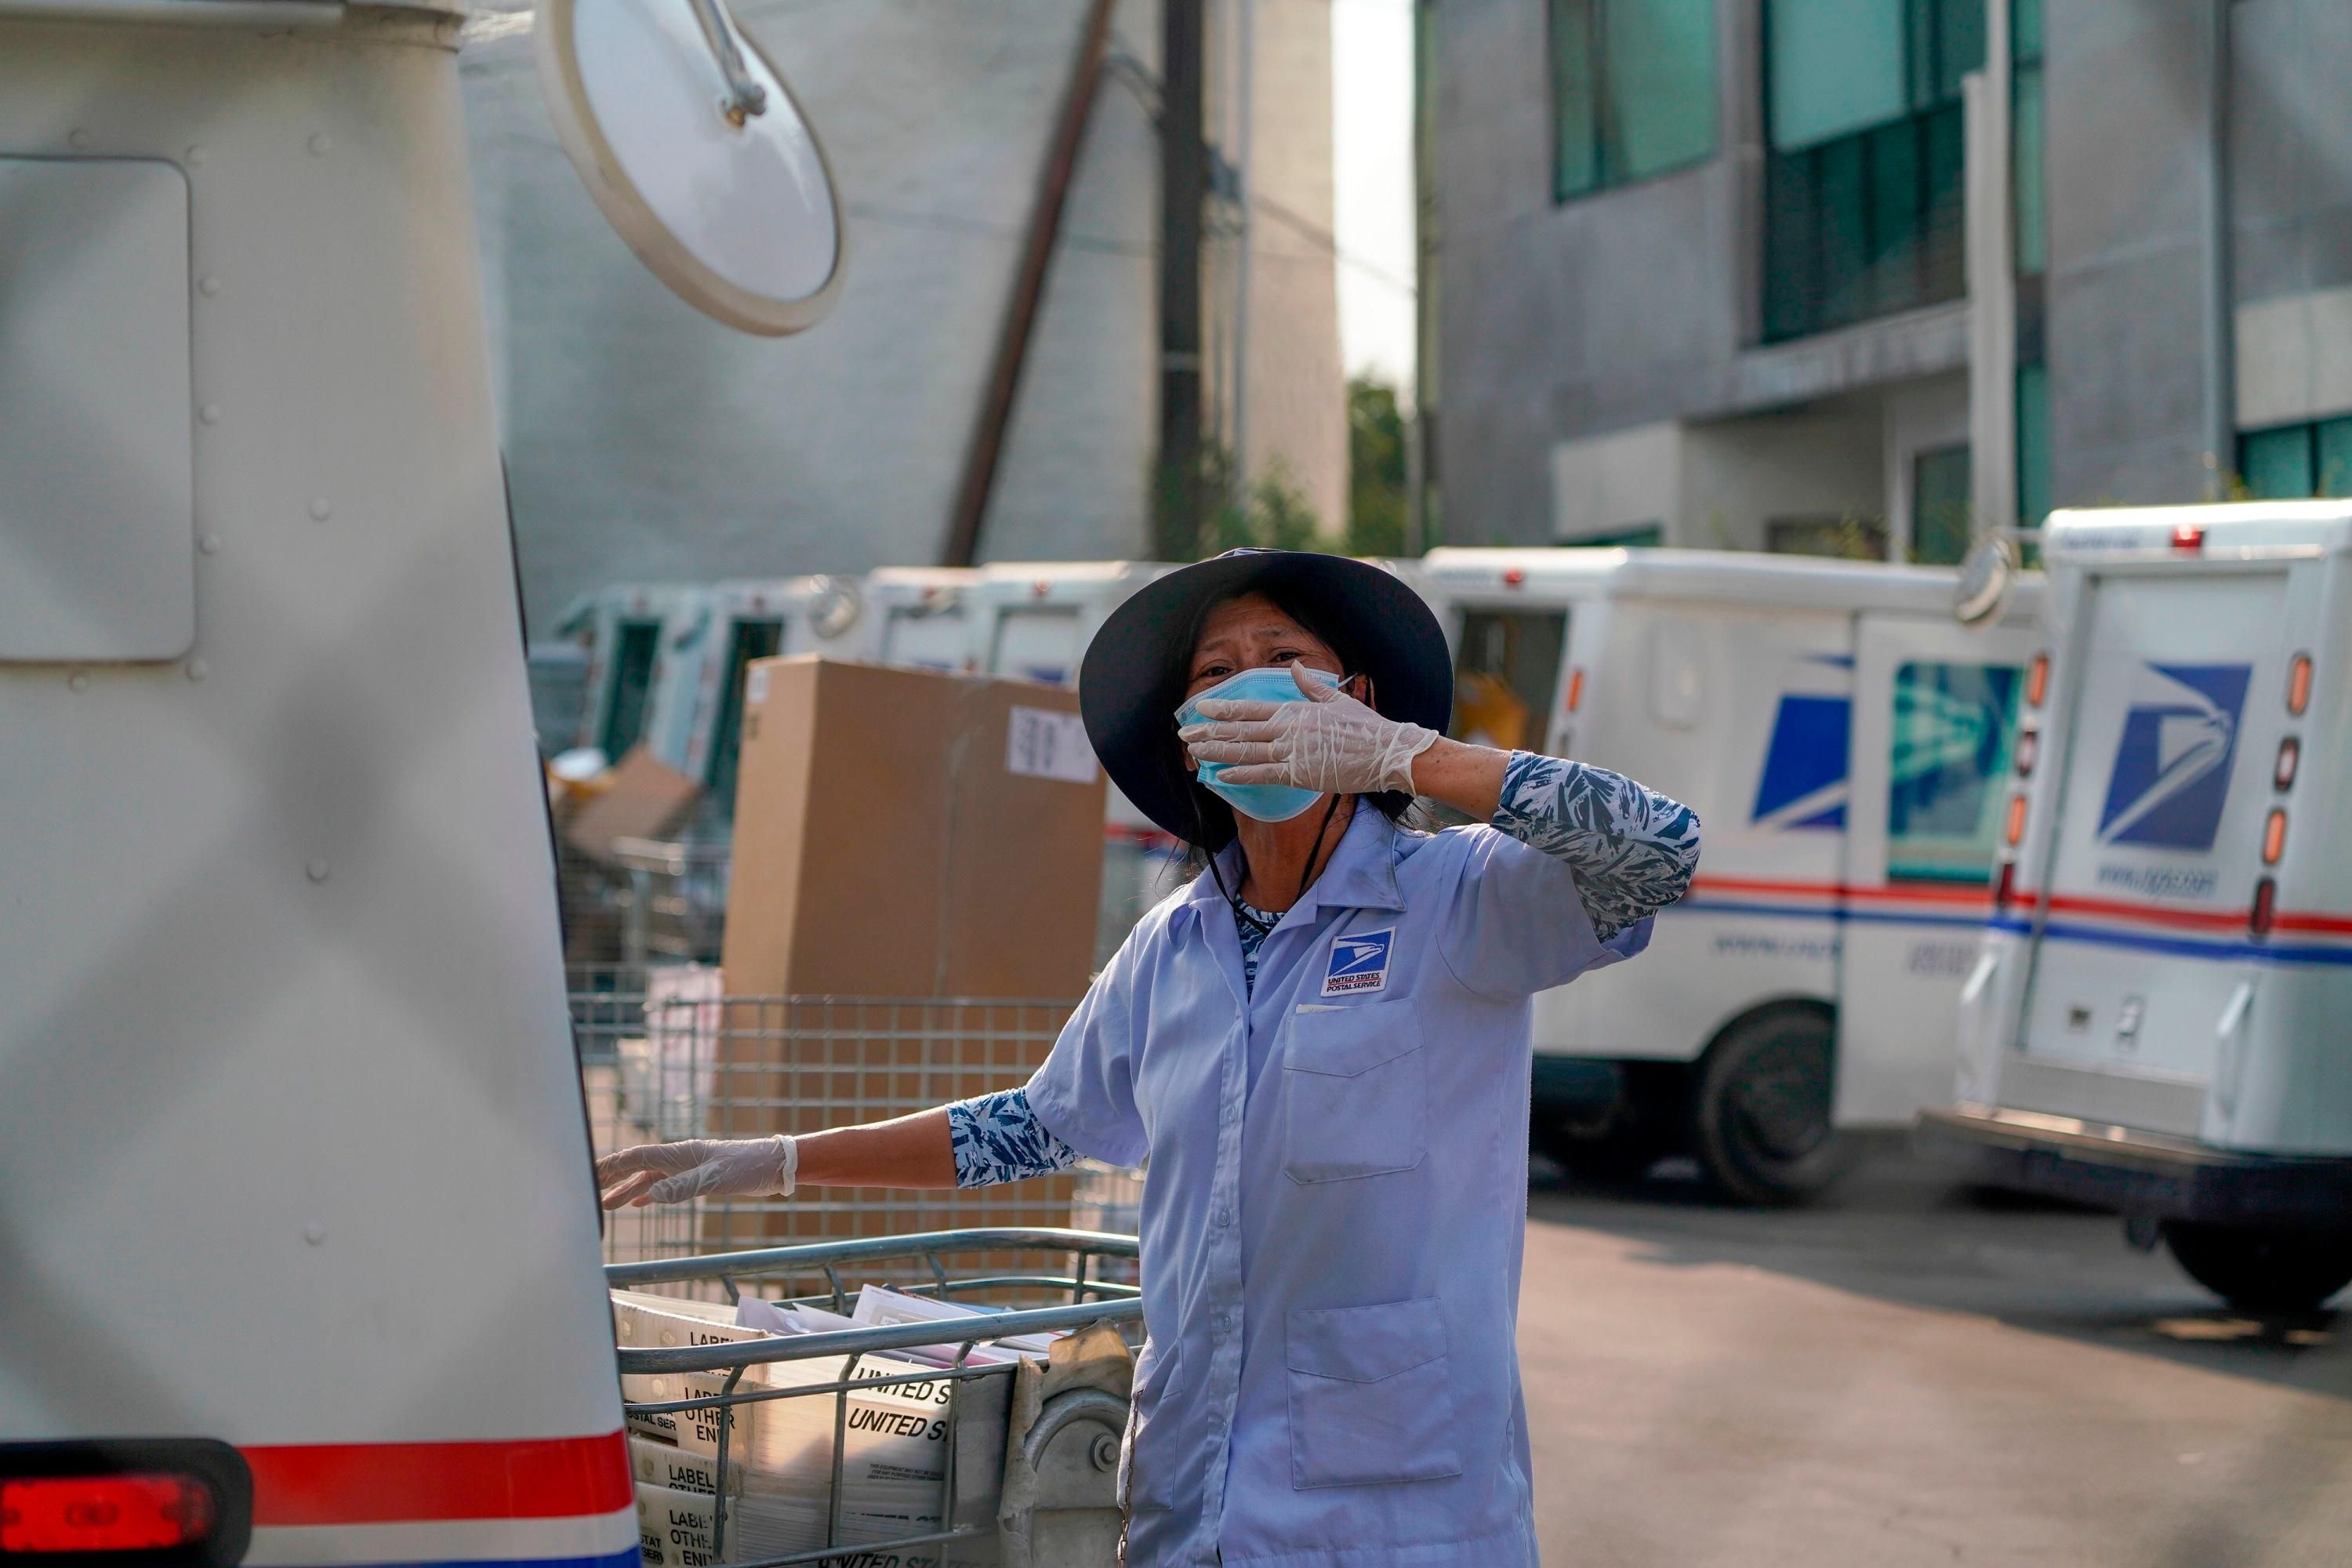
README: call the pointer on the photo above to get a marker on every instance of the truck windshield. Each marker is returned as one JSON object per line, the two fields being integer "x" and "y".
{"x": 1506, "y": 675}
{"x": 1953, "y": 726}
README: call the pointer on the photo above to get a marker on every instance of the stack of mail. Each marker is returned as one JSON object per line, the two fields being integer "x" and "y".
{"x": 781, "y": 1451}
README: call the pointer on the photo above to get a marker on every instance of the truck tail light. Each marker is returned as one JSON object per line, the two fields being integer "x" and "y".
{"x": 2298, "y": 685}
{"x": 2290, "y": 753}
{"x": 2014, "y": 834}
{"x": 2004, "y": 886}
{"x": 2274, "y": 836}
{"x": 2189, "y": 538}
{"x": 1515, "y": 577}
{"x": 145, "y": 1511}
{"x": 164, "y": 1502}
{"x": 1575, "y": 689}
{"x": 2029, "y": 743}
{"x": 2258, "y": 919}
{"x": 2037, "y": 680}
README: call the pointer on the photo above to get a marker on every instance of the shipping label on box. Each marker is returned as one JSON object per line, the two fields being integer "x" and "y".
{"x": 1040, "y": 744}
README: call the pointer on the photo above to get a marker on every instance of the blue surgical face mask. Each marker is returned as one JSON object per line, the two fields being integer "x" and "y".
{"x": 1270, "y": 683}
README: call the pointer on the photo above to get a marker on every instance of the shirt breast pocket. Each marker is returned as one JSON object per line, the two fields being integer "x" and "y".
{"x": 1354, "y": 1088}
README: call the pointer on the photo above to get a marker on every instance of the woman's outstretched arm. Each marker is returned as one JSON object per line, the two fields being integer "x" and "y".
{"x": 973, "y": 1143}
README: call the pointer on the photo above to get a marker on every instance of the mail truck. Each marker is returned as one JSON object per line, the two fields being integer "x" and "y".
{"x": 2157, "y": 1019}
{"x": 646, "y": 644}
{"x": 1843, "y": 741}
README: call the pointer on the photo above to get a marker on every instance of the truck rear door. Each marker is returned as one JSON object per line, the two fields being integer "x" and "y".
{"x": 2139, "y": 908}
{"x": 1934, "y": 717}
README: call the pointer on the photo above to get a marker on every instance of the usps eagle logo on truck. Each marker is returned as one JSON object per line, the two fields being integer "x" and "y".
{"x": 2172, "y": 766}
{"x": 1803, "y": 784}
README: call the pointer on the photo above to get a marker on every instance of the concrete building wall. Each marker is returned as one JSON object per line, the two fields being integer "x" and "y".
{"x": 1296, "y": 405}
{"x": 2291, "y": 209}
{"x": 1600, "y": 358}
{"x": 2127, "y": 89}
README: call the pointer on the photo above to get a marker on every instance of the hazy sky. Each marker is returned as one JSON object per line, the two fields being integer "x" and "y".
{"x": 1372, "y": 82}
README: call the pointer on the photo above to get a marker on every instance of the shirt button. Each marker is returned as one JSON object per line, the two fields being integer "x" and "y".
{"x": 1224, "y": 1323}
{"x": 1224, "y": 1216}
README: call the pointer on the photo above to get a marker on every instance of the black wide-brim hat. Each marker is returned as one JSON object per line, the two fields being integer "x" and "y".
{"x": 1129, "y": 686}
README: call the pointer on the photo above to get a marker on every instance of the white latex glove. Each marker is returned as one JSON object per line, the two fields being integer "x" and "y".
{"x": 699, "y": 1168}
{"x": 1329, "y": 743}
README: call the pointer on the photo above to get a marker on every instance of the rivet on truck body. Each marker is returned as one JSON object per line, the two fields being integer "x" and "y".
{"x": 321, "y": 509}
{"x": 78, "y": 140}
{"x": 316, "y": 870}
{"x": 194, "y": 156}
{"x": 320, "y": 143}
{"x": 208, "y": 286}
{"x": 197, "y": 669}
{"x": 209, "y": 414}
{"x": 209, "y": 544}
{"x": 78, "y": 680}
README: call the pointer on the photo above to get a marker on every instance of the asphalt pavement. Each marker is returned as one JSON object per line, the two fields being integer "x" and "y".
{"x": 1912, "y": 1371}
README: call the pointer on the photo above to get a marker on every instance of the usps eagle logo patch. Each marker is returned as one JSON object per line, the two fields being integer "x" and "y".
{"x": 1359, "y": 962}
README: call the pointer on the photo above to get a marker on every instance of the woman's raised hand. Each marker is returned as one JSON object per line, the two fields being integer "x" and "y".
{"x": 1330, "y": 742}
{"x": 698, "y": 1168}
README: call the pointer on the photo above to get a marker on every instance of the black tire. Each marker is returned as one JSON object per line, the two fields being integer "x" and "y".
{"x": 1762, "y": 1119}
{"x": 1620, "y": 1151}
{"x": 2263, "y": 1270}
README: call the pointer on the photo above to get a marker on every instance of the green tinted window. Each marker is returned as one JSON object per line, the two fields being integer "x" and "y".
{"x": 2032, "y": 444}
{"x": 2333, "y": 456}
{"x": 1939, "y": 506}
{"x": 1953, "y": 724}
{"x": 2031, "y": 236}
{"x": 1836, "y": 67}
{"x": 1863, "y": 189}
{"x": 633, "y": 678}
{"x": 1632, "y": 90}
{"x": 2276, "y": 464}
{"x": 1576, "y": 100}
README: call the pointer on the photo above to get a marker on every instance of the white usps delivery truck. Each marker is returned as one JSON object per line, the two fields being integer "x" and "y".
{"x": 915, "y": 616}
{"x": 756, "y": 618}
{"x": 1844, "y": 742}
{"x": 646, "y": 646}
{"x": 2157, "y": 1019}
{"x": 301, "y": 1258}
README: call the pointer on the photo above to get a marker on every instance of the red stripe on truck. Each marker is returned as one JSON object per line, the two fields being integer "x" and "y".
{"x": 391, "y": 1483}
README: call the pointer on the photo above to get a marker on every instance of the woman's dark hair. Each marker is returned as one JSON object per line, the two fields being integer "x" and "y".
{"x": 1213, "y": 819}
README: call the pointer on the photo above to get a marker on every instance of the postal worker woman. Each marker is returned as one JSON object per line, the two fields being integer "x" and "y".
{"x": 1320, "y": 1046}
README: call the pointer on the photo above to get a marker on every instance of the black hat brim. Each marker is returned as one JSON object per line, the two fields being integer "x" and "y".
{"x": 1124, "y": 680}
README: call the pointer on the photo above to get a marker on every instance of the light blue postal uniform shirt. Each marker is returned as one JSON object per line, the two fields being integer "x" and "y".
{"x": 1333, "y": 1223}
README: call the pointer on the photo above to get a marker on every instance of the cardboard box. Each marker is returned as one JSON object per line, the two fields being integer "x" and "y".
{"x": 644, "y": 798}
{"x": 905, "y": 834}
{"x": 904, "y": 843}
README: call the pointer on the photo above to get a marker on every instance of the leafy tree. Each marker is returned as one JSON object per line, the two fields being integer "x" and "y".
{"x": 1277, "y": 516}
{"x": 1377, "y": 503}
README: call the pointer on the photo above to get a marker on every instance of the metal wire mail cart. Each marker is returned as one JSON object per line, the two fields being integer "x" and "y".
{"x": 707, "y": 1400}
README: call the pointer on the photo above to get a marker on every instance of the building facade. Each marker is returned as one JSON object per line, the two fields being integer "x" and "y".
{"x": 1860, "y": 276}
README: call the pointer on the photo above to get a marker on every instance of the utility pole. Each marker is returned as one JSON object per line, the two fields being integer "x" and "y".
{"x": 986, "y": 448}
{"x": 1244, "y": 194}
{"x": 1183, "y": 180}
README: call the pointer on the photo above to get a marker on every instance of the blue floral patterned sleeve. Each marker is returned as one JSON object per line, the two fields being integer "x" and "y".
{"x": 997, "y": 1138}
{"x": 1632, "y": 849}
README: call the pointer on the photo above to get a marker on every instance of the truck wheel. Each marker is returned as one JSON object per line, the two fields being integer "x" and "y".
{"x": 1620, "y": 1151}
{"x": 1762, "y": 1122}
{"x": 2263, "y": 1270}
